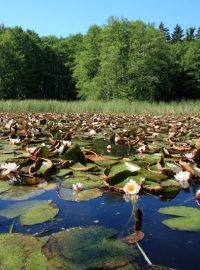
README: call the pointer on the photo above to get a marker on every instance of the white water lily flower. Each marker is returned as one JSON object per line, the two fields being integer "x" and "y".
{"x": 184, "y": 184}
{"x": 109, "y": 148}
{"x": 189, "y": 155}
{"x": 9, "y": 167}
{"x": 77, "y": 187}
{"x": 14, "y": 140}
{"x": 92, "y": 132}
{"x": 131, "y": 187}
{"x": 31, "y": 150}
{"x": 197, "y": 195}
{"x": 9, "y": 124}
{"x": 142, "y": 149}
{"x": 68, "y": 143}
{"x": 182, "y": 176}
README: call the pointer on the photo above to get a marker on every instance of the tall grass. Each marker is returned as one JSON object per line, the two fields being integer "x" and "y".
{"x": 185, "y": 108}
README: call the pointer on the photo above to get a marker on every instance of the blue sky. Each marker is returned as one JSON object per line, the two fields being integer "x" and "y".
{"x": 65, "y": 17}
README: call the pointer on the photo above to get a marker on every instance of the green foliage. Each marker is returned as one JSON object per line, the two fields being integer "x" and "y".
{"x": 119, "y": 60}
{"x": 188, "y": 218}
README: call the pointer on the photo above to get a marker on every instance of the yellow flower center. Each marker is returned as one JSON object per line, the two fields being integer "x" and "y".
{"x": 131, "y": 188}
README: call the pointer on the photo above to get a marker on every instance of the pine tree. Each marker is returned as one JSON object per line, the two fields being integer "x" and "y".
{"x": 197, "y": 36}
{"x": 190, "y": 33}
{"x": 178, "y": 34}
{"x": 165, "y": 30}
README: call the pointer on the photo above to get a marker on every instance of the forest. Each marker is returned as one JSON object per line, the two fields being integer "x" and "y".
{"x": 121, "y": 59}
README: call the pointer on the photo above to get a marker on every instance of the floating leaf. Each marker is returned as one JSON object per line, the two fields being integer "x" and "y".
{"x": 41, "y": 167}
{"x": 151, "y": 175}
{"x": 152, "y": 186}
{"x": 39, "y": 213}
{"x": 19, "y": 251}
{"x": 91, "y": 167}
{"x": 134, "y": 237}
{"x": 75, "y": 153}
{"x": 19, "y": 193}
{"x": 4, "y": 186}
{"x": 188, "y": 218}
{"x": 31, "y": 212}
{"x": 170, "y": 185}
{"x": 120, "y": 171}
{"x": 87, "y": 248}
{"x": 85, "y": 181}
{"x": 84, "y": 195}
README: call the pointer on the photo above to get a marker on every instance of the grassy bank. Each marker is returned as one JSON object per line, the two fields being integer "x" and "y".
{"x": 184, "y": 108}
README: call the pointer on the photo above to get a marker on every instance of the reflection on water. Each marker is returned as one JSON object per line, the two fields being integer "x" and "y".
{"x": 163, "y": 246}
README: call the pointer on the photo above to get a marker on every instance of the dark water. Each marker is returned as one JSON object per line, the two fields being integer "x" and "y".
{"x": 163, "y": 246}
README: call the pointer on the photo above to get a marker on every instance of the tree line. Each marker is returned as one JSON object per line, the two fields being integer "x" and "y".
{"x": 119, "y": 60}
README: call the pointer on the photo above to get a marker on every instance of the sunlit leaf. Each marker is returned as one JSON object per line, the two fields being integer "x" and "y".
{"x": 188, "y": 218}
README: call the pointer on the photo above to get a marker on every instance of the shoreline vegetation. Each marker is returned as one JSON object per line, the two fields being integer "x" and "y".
{"x": 120, "y": 60}
{"x": 175, "y": 109}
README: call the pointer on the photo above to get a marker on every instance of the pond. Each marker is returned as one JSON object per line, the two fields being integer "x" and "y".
{"x": 63, "y": 201}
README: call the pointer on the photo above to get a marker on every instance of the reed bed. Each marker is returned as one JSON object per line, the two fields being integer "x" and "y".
{"x": 184, "y": 108}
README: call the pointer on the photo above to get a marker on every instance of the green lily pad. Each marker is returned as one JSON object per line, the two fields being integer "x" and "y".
{"x": 151, "y": 175}
{"x": 41, "y": 167}
{"x": 31, "y": 212}
{"x": 91, "y": 167}
{"x": 4, "y": 186}
{"x": 151, "y": 185}
{"x": 120, "y": 172}
{"x": 39, "y": 213}
{"x": 170, "y": 185}
{"x": 17, "y": 193}
{"x": 188, "y": 218}
{"x": 75, "y": 153}
{"x": 87, "y": 248}
{"x": 42, "y": 152}
{"x": 84, "y": 195}
{"x": 85, "y": 181}
{"x": 19, "y": 251}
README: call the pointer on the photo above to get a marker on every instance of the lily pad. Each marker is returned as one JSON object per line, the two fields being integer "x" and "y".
{"x": 87, "y": 248}
{"x": 85, "y": 181}
{"x": 84, "y": 195}
{"x": 39, "y": 213}
{"x": 188, "y": 218}
{"x": 151, "y": 175}
{"x": 31, "y": 212}
{"x": 41, "y": 167}
{"x": 120, "y": 171}
{"x": 170, "y": 185}
{"x": 75, "y": 153}
{"x": 19, "y": 251}
{"x": 19, "y": 193}
{"x": 4, "y": 186}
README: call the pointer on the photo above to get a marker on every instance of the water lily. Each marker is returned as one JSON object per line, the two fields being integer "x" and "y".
{"x": 9, "y": 167}
{"x": 77, "y": 187}
{"x": 9, "y": 124}
{"x": 109, "y": 148}
{"x": 131, "y": 187}
{"x": 92, "y": 132}
{"x": 189, "y": 155}
{"x": 142, "y": 149}
{"x": 197, "y": 195}
{"x": 67, "y": 143}
{"x": 14, "y": 140}
{"x": 182, "y": 176}
{"x": 31, "y": 150}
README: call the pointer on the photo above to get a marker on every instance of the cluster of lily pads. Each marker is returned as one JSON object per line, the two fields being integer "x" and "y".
{"x": 84, "y": 155}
